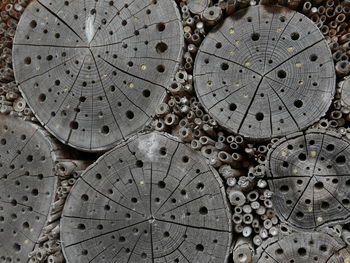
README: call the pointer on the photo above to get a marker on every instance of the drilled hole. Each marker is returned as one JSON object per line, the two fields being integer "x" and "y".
{"x": 281, "y": 74}
{"x": 161, "y": 47}
{"x": 105, "y": 129}
{"x": 298, "y": 103}
{"x": 255, "y": 36}
{"x": 295, "y": 36}
{"x": 160, "y": 27}
{"x": 259, "y": 116}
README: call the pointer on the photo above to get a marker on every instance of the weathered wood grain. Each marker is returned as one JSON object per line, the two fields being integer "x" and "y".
{"x": 27, "y": 186}
{"x": 151, "y": 199}
{"x": 345, "y": 93}
{"x": 304, "y": 248}
{"x": 265, "y": 72}
{"x": 310, "y": 177}
{"x": 93, "y": 72}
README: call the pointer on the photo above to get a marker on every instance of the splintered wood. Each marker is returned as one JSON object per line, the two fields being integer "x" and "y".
{"x": 310, "y": 177}
{"x": 261, "y": 71}
{"x": 28, "y": 185}
{"x": 151, "y": 199}
{"x": 94, "y": 71}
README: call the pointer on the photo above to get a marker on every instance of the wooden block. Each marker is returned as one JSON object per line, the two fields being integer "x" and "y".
{"x": 309, "y": 175}
{"x": 27, "y": 188}
{"x": 151, "y": 199}
{"x": 265, "y": 72}
{"x": 94, "y": 72}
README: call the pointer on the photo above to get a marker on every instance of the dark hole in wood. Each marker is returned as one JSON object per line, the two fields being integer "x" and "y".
{"x": 203, "y": 210}
{"x": 232, "y": 107}
{"x": 85, "y": 197}
{"x": 161, "y": 27}
{"x": 295, "y": 36}
{"x": 146, "y": 93}
{"x": 284, "y": 188}
{"x": 313, "y": 57}
{"x": 42, "y": 97}
{"x": 129, "y": 114}
{"x": 302, "y": 156}
{"x": 105, "y": 129}
{"x": 33, "y": 24}
{"x": 298, "y": 103}
{"x": 160, "y": 68}
{"x": 161, "y": 47}
{"x": 302, "y": 251}
{"x": 255, "y": 36}
{"x": 319, "y": 185}
{"x": 27, "y": 60}
{"x": 139, "y": 163}
{"x": 259, "y": 116}
{"x": 281, "y": 74}
{"x": 161, "y": 184}
{"x": 199, "y": 247}
{"x": 224, "y": 66}
{"x": 74, "y": 125}
{"x": 340, "y": 159}
{"x": 324, "y": 205}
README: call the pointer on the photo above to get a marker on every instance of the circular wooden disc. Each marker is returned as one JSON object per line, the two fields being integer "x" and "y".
{"x": 310, "y": 177}
{"x": 198, "y": 6}
{"x": 315, "y": 247}
{"x": 27, "y": 186}
{"x": 260, "y": 73}
{"x": 93, "y": 72}
{"x": 152, "y": 199}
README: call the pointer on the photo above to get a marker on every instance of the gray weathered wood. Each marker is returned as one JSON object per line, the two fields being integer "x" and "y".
{"x": 345, "y": 93}
{"x": 27, "y": 186}
{"x": 151, "y": 199}
{"x": 310, "y": 177}
{"x": 304, "y": 248}
{"x": 265, "y": 72}
{"x": 198, "y": 6}
{"x": 93, "y": 72}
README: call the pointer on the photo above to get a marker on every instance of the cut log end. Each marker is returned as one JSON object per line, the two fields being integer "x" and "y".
{"x": 94, "y": 73}
{"x": 150, "y": 199}
{"x": 27, "y": 186}
{"x": 309, "y": 175}
{"x": 261, "y": 71}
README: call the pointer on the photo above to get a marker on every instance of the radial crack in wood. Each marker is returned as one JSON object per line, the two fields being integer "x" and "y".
{"x": 27, "y": 186}
{"x": 151, "y": 199}
{"x": 304, "y": 248}
{"x": 94, "y": 72}
{"x": 261, "y": 71}
{"x": 310, "y": 177}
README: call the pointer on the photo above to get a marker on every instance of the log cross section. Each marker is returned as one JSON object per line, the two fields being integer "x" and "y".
{"x": 151, "y": 199}
{"x": 310, "y": 177}
{"x": 265, "y": 72}
{"x": 27, "y": 186}
{"x": 93, "y": 72}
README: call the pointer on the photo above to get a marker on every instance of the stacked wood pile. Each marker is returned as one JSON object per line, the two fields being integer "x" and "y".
{"x": 227, "y": 123}
{"x": 11, "y": 101}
